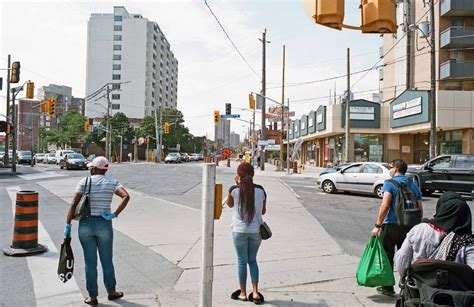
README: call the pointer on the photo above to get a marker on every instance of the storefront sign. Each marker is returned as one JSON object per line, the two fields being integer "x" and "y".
{"x": 362, "y": 113}
{"x": 407, "y": 108}
{"x": 405, "y": 149}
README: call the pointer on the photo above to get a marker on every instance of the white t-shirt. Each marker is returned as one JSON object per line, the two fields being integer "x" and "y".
{"x": 254, "y": 226}
{"x": 103, "y": 189}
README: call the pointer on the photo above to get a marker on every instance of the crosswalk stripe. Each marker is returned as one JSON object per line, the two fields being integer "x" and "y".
{"x": 49, "y": 290}
{"x": 41, "y": 175}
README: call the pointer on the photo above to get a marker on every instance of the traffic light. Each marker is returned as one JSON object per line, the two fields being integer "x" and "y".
{"x": 251, "y": 102}
{"x": 52, "y": 107}
{"x": 330, "y": 13}
{"x": 15, "y": 73}
{"x": 228, "y": 109}
{"x": 217, "y": 117}
{"x": 166, "y": 128}
{"x": 44, "y": 106}
{"x": 30, "y": 90}
{"x": 379, "y": 16}
{"x": 5, "y": 127}
{"x": 87, "y": 126}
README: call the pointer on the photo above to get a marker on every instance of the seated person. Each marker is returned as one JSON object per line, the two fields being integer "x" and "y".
{"x": 447, "y": 236}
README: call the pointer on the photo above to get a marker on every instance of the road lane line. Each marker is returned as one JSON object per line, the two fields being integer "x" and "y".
{"x": 41, "y": 175}
{"x": 48, "y": 289}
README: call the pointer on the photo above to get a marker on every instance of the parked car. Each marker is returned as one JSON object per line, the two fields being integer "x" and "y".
{"x": 201, "y": 157}
{"x": 39, "y": 157}
{"x": 60, "y": 154}
{"x": 91, "y": 157}
{"x": 73, "y": 161}
{"x": 334, "y": 169}
{"x": 194, "y": 157}
{"x": 185, "y": 157}
{"x": 360, "y": 177}
{"x": 51, "y": 158}
{"x": 173, "y": 157}
{"x": 445, "y": 173}
{"x": 23, "y": 156}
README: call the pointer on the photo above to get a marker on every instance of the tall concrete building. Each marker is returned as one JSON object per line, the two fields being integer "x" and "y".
{"x": 124, "y": 47}
{"x": 222, "y": 132}
{"x": 234, "y": 140}
{"x": 406, "y": 80}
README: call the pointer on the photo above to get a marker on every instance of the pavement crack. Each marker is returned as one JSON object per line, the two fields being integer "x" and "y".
{"x": 325, "y": 281}
{"x": 190, "y": 249}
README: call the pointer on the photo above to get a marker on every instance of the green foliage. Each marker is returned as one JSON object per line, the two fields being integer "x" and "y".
{"x": 69, "y": 131}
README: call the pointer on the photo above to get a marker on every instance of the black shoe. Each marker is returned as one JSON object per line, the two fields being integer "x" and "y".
{"x": 386, "y": 290}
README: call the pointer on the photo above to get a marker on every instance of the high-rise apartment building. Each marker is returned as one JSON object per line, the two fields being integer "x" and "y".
{"x": 234, "y": 140}
{"x": 134, "y": 55}
{"x": 222, "y": 132}
{"x": 406, "y": 76}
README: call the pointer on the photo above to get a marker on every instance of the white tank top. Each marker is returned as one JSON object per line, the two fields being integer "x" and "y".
{"x": 254, "y": 226}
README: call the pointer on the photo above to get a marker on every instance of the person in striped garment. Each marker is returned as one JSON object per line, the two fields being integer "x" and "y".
{"x": 96, "y": 232}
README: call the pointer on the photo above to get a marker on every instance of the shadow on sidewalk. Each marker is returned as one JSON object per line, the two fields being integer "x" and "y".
{"x": 320, "y": 303}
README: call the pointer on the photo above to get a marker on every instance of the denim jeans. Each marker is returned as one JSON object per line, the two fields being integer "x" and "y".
{"x": 246, "y": 246}
{"x": 96, "y": 234}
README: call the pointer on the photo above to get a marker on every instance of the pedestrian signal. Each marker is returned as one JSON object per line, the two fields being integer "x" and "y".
{"x": 30, "y": 90}
{"x": 44, "y": 106}
{"x": 330, "y": 13}
{"x": 379, "y": 16}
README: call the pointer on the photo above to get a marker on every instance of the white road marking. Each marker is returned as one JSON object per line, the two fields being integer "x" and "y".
{"x": 41, "y": 175}
{"x": 48, "y": 289}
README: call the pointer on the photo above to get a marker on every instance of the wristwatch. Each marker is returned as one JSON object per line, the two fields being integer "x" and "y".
{"x": 378, "y": 225}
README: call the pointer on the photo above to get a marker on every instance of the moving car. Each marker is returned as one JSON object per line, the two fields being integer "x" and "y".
{"x": 73, "y": 161}
{"x": 50, "y": 158}
{"x": 173, "y": 157}
{"x": 23, "y": 156}
{"x": 445, "y": 173}
{"x": 360, "y": 177}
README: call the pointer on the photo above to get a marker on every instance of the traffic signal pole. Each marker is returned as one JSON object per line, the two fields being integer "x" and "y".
{"x": 263, "y": 92}
{"x": 433, "y": 139}
{"x": 5, "y": 157}
{"x": 280, "y": 165}
{"x": 348, "y": 107}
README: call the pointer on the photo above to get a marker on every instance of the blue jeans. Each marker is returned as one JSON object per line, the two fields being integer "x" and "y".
{"x": 246, "y": 246}
{"x": 96, "y": 234}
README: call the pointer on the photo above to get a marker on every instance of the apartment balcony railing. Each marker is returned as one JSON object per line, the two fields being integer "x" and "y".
{"x": 457, "y": 8}
{"x": 457, "y": 38}
{"x": 456, "y": 70}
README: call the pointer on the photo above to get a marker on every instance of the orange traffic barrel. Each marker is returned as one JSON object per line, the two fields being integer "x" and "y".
{"x": 295, "y": 166}
{"x": 25, "y": 226}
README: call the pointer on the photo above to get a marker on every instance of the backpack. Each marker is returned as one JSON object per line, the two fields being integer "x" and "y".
{"x": 407, "y": 210}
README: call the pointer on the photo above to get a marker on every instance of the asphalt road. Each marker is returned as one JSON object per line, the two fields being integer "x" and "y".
{"x": 348, "y": 218}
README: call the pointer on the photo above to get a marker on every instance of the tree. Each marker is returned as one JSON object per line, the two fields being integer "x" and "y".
{"x": 69, "y": 131}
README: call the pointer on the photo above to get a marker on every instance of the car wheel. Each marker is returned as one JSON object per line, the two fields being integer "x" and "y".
{"x": 379, "y": 191}
{"x": 427, "y": 192}
{"x": 60, "y": 166}
{"x": 329, "y": 187}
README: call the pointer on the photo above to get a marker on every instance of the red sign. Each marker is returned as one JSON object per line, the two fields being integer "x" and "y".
{"x": 226, "y": 153}
{"x": 2, "y": 139}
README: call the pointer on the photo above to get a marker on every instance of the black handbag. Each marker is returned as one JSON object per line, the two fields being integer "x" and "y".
{"x": 83, "y": 208}
{"x": 265, "y": 231}
{"x": 66, "y": 261}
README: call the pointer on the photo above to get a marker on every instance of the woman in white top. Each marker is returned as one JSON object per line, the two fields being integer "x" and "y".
{"x": 447, "y": 236}
{"x": 248, "y": 203}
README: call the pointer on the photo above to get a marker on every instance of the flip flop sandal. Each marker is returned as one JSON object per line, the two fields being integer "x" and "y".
{"x": 115, "y": 295}
{"x": 236, "y": 296}
{"x": 91, "y": 301}
{"x": 256, "y": 302}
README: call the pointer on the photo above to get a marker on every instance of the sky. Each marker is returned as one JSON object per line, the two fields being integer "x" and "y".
{"x": 50, "y": 40}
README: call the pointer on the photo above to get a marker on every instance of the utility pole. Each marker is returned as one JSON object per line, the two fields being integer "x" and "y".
{"x": 14, "y": 130}
{"x": 288, "y": 138}
{"x": 264, "y": 91}
{"x": 107, "y": 132}
{"x": 280, "y": 165}
{"x": 407, "y": 8}
{"x": 5, "y": 157}
{"x": 433, "y": 138}
{"x": 348, "y": 107}
{"x": 157, "y": 135}
{"x": 161, "y": 136}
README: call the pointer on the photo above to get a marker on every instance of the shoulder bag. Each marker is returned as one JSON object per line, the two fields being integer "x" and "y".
{"x": 83, "y": 208}
{"x": 265, "y": 231}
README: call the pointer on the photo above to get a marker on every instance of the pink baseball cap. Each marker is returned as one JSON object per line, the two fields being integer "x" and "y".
{"x": 99, "y": 162}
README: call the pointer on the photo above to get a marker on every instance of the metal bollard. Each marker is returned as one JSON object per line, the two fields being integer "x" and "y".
{"x": 228, "y": 162}
{"x": 25, "y": 231}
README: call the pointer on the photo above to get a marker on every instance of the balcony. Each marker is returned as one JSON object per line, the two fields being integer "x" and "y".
{"x": 457, "y": 38}
{"x": 456, "y": 70}
{"x": 457, "y": 8}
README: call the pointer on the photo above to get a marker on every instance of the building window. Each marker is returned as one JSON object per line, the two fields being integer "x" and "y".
{"x": 115, "y": 106}
{"x": 153, "y": 94}
{"x": 116, "y": 86}
{"x": 457, "y": 56}
{"x": 116, "y": 67}
{"x": 118, "y": 18}
{"x": 117, "y": 47}
{"x": 451, "y": 142}
{"x": 458, "y": 22}
{"x": 115, "y": 77}
{"x": 117, "y": 28}
{"x": 117, "y": 57}
{"x": 117, "y": 37}
{"x": 116, "y": 96}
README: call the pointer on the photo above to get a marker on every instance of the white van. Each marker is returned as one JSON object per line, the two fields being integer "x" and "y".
{"x": 60, "y": 154}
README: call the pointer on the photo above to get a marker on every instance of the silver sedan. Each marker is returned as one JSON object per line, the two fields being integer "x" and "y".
{"x": 363, "y": 177}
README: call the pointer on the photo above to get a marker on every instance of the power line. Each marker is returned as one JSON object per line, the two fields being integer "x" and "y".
{"x": 230, "y": 39}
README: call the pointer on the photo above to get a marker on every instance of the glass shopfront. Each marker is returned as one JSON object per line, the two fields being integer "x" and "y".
{"x": 421, "y": 150}
{"x": 311, "y": 150}
{"x": 451, "y": 142}
{"x": 368, "y": 147}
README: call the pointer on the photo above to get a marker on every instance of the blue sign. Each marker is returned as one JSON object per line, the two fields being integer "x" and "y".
{"x": 231, "y": 116}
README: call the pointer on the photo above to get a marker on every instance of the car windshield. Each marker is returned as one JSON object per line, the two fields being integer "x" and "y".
{"x": 51, "y": 155}
{"x": 24, "y": 153}
{"x": 172, "y": 154}
{"x": 75, "y": 156}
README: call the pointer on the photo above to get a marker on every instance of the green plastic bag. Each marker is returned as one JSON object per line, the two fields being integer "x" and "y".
{"x": 374, "y": 268}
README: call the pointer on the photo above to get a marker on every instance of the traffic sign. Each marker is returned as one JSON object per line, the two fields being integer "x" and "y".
{"x": 231, "y": 116}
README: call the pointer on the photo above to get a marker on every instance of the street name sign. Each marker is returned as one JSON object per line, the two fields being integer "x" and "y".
{"x": 231, "y": 116}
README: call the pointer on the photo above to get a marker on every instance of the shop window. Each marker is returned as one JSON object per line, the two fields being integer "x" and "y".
{"x": 465, "y": 162}
{"x": 368, "y": 147}
{"x": 451, "y": 142}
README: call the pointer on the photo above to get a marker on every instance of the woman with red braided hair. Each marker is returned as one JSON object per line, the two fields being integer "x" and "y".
{"x": 248, "y": 203}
